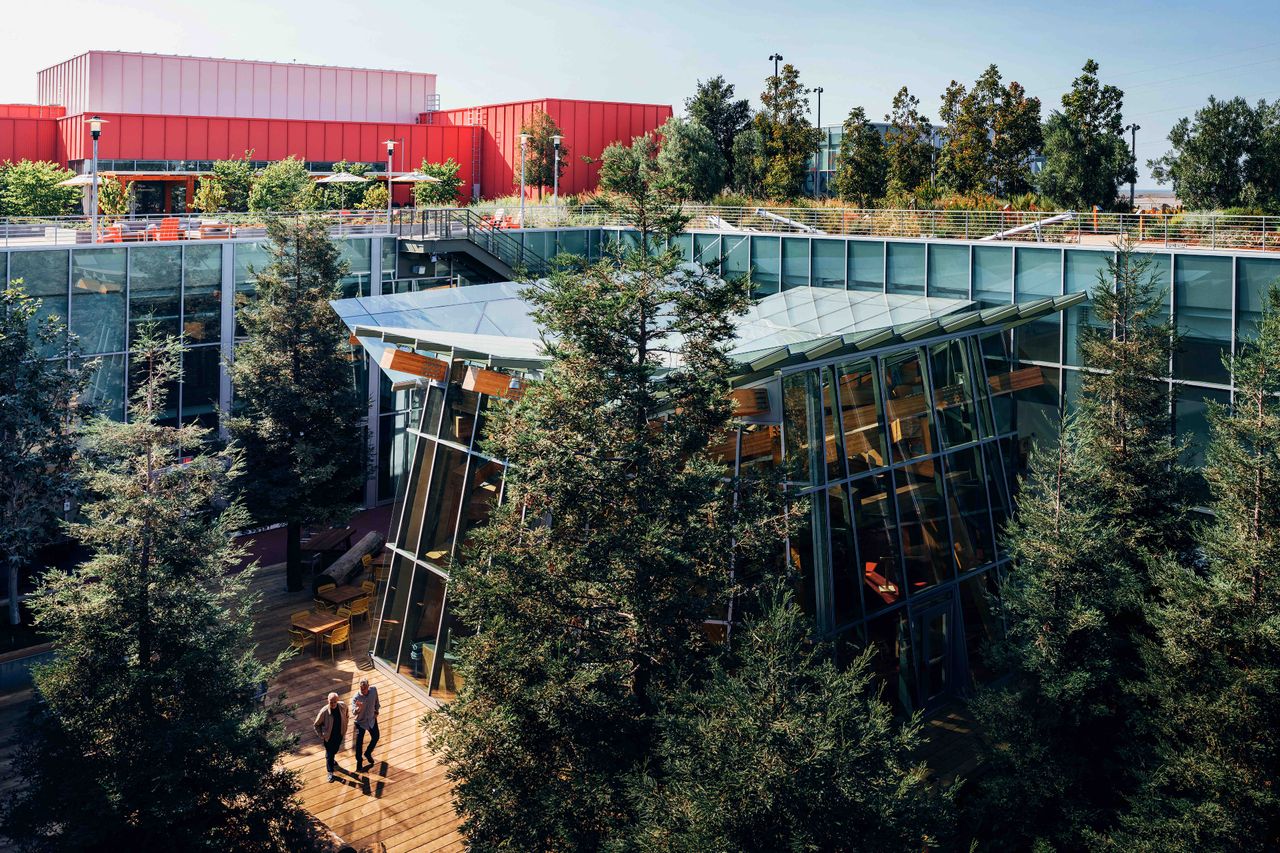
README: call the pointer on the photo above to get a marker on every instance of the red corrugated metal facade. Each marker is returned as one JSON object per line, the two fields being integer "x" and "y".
{"x": 483, "y": 140}
{"x": 588, "y": 126}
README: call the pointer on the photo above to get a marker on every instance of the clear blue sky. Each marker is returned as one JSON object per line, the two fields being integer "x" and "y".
{"x": 1167, "y": 56}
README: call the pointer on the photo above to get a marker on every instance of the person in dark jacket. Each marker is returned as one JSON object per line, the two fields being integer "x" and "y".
{"x": 331, "y": 726}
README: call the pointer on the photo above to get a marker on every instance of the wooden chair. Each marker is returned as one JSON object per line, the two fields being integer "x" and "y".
{"x": 298, "y": 639}
{"x": 321, "y": 604}
{"x": 369, "y": 586}
{"x": 340, "y": 636}
{"x": 344, "y": 612}
{"x": 360, "y": 607}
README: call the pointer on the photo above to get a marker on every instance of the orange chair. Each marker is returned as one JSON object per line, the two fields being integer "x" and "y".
{"x": 168, "y": 229}
{"x": 110, "y": 234}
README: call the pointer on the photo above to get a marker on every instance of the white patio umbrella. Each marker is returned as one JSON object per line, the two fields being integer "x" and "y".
{"x": 78, "y": 181}
{"x": 341, "y": 178}
{"x": 416, "y": 178}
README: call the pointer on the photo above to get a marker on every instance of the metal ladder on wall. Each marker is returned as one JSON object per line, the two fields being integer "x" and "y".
{"x": 476, "y": 120}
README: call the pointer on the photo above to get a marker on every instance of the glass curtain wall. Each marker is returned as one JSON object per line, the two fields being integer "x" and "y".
{"x": 899, "y": 459}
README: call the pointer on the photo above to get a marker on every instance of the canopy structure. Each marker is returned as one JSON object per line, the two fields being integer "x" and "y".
{"x": 416, "y": 178}
{"x": 491, "y": 323}
{"x": 341, "y": 178}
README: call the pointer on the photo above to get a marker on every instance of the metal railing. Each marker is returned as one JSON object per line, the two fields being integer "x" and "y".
{"x": 1200, "y": 230}
{"x": 19, "y": 231}
{"x": 464, "y": 223}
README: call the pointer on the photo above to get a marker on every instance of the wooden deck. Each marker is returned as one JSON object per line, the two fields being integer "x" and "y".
{"x": 404, "y": 804}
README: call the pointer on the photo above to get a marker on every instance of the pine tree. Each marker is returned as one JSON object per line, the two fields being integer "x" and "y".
{"x": 863, "y": 168}
{"x": 149, "y": 734}
{"x": 714, "y": 107}
{"x": 39, "y": 408}
{"x": 297, "y": 415}
{"x": 1215, "y": 662}
{"x": 1063, "y": 740}
{"x": 909, "y": 145}
{"x": 788, "y": 139}
{"x": 781, "y": 749}
{"x": 641, "y": 192}
{"x": 588, "y": 588}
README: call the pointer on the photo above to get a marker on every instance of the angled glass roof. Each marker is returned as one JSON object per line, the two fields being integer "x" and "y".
{"x": 491, "y": 322}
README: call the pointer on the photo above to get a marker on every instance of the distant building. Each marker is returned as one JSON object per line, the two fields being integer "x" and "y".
{"x": 170, "y": 117}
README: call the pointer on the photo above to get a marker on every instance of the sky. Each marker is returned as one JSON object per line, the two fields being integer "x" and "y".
{"x": 1167, "y": 56}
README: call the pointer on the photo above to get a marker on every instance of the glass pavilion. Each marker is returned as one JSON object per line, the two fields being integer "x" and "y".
{"x": 892, "y": 412}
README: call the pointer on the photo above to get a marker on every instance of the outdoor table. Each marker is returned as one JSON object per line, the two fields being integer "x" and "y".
{"x": 330, "y": 540}
{"x": 340, "y": 595}
{"x": 319, "y": 624}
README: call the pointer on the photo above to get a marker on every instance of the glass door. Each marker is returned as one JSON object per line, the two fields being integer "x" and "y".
{"x": 935, "y": 628}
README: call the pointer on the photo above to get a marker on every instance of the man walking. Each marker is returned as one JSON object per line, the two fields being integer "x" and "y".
{"x": 364, "y": 714}
{"x": 331, "y": 726}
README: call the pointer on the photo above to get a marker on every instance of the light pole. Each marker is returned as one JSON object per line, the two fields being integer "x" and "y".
{"x": 524, "y": 143}
{"x": 391, "y": 150}
{"x": 775, "y": 58}
{"x": 95, "y": 130}
{"x": 1133, "y": 150}
{"x": 817, "y": 160}
{"x": 555, "y": 172}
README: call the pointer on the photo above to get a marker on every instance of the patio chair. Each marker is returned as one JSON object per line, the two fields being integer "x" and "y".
{"x": 360, "y": 607}
{"x": 344, "y": 612}
{"x": 340, "y": 636}
{"x": 168, "y": 229}
{"x": 320, "y": 603}
{"x": 369, "y": 587}
{"x": 110, "y": 234}
{"x": 298, "y": 639}
{"x": 298, "y": 614}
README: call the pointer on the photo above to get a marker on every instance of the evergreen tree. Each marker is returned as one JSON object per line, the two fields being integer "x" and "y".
{"x": 540, "y": 157}
{"x": 908, "y": 144}
{"x": 863, "y": 168}
{"x": 1215, "y": 662}
{"x": 1016, "y": 135}
{"x": 1063, "y": 740}
{"x": 297, "y": 415}
{"x": 149, "y": 733}
{"x": 714, "y": 107}
{"x": 781, "y": 749}
{"x": 787, "y": 137}
{"x": 1086, "y": 157}
{"x": 39, "y": 407}
{"x": 615, "y": 538}
{"x": 691, "y": 160}
{"x": 641, "y": 191}
{"x": 748, "y": 162}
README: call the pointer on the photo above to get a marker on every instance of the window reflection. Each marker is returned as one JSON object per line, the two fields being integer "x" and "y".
{"x": 484, "y": 485}
{"x": 980, "y": 608}
{"x": 806, "y": 549}
{"x": 446, "y": 679}
{"x": 922, "y": 525}
{"x": 953, "y": 393}
{"x": 761, "y": 447}
{"x": 155, "y": 285}
{"x": 910, "y": 426}
{"x": 803, "y": 425}
{"x": 202, "y": 294}
{"x": 444, "y": 494}
{"x": 876, "y": 534}
{"x": 845, "y": 574}
{"x": 860, "y": 412}
{"x": 833, "y": 453}
{"x": 967, "y": 505}
{"x": 890, "y": 638}
{"x": 97, "y": 299}
{"x": 421, "y": 626}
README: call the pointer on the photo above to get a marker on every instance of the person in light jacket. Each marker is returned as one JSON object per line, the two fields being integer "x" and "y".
{"x": 331, "y": 726}
{"x": 364, "y": 716}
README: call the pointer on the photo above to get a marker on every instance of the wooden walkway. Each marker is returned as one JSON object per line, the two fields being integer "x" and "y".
{"x": 404, "y": 804}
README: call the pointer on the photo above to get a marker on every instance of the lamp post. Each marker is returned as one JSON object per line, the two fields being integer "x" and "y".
{"x": 391, "y": 150}
{"x": 95, "y": 130}
{"x": 775, "y": 58}
{"x": 1133, "y": 150}
{"x": 555, "y": 172}
{"x": 817, "y": 164}
{"x": 524, "y": 143}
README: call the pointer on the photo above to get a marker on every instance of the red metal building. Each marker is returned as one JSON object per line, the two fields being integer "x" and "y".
{"x": 169, "y": 117}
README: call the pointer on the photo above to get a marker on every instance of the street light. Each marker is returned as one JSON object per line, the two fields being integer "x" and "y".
{"x": 775, "y": 58}
{"x": 817, "y": 166}
{"x": 95, "y": 130}
{"x": 524, "y": 143}
{"x": 1133, "y": 150}
{"x": 391, "y": 150}
{"x": 555, "y": 172}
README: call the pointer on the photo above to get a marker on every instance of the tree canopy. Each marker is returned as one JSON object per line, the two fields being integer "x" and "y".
{"x": 862, "y": 174}
{"x": 282, "y": 185}
{"x": 787, "y": 138}
{"x": 1086, "y": 157}
{"x": 30, "y": 188}
{"x": 1225, "y": 156}
{"x": 909, "y": 145}
{"x": 540, "y": 167}
{"x": 447, "y": 192}
{"x": 714, "y": 106}
{"x": 691, "y": 159}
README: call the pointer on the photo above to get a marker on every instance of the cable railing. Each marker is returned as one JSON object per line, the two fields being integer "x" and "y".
{"x": 492, "y": 226}
{"x": 20, "y": 231}
{"x": 1172, "y": 230}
